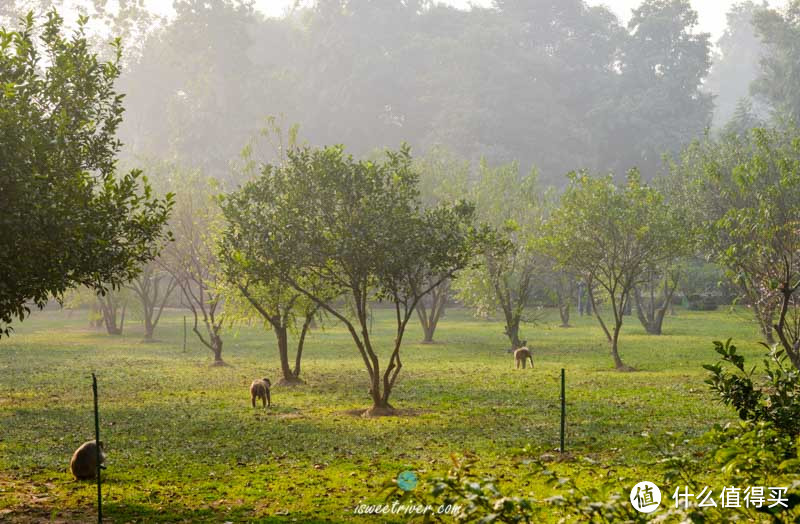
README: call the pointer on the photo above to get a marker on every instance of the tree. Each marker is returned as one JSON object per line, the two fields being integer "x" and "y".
{"x": 112, "y": 305}
{"x": 611, "y": 236}
{"x": 67, "y": 218}
{"x": 328, "y": 224}
{"x": 192, "y": 260}
{"x": 153, "y": 287}
{"x": 661, "y": 105}
{"x": 778, "y": 83}
{"x": 200, "y": 107}
{"x": 560, "y": 287}
{"x": 749, "y": 185}
{"x": 510, "y": 263}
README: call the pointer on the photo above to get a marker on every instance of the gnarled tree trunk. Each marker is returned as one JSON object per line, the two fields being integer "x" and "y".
{"x": 652, "y": 307}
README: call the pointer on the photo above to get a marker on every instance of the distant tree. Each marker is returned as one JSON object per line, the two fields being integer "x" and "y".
{"x": 192, "y": 260}
{"x": 11, "y": 11}
{"x": 653, "y": 296}
{"x": 67, "y": 218}
{"x": 661, "y": 105}
{"x": 353, "y": 228}
{"x": 200, "y": 107}
{"x": 443, "y": 178}
{"x": 778, "y": 83}
{"x": 611, "y": 236}
{"x": 744, "y": 119}
{"x": 557, "y": 84}
{"x": 153, "y": 287}
{"x": 557, "y": 60}
{"x": 561, "y": 286}
{"x": 112, "y": 305}
{"x": 510, "y": 267}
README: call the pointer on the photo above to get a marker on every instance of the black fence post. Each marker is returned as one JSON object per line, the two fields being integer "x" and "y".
{"x": 97, "y": 450}
{"x": 563, "y": 408}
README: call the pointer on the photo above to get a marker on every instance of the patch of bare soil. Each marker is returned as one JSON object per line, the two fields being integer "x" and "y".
{"x": 393, "y": 412}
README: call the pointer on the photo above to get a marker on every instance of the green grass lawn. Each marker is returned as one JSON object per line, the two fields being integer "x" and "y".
{"x": 184, "y": 444}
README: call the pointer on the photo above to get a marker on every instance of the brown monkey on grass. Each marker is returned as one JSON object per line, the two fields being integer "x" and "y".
{"x": 522, "y": 355}
{"x": 84, "y": 460}
{"x": 260, "y": 389}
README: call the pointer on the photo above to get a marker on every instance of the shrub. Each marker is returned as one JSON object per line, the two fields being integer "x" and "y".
{"x": 776, "y": 399}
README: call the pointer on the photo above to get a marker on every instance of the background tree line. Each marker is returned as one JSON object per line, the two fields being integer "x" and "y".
{"x": 559, "y": 85}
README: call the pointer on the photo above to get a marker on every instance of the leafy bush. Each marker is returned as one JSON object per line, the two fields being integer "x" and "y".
{"x": 776, "y": 400}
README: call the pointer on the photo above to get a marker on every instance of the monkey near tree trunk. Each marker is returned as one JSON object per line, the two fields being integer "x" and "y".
{"x": 260, "y": 389}
{"x": 84, "y": 460}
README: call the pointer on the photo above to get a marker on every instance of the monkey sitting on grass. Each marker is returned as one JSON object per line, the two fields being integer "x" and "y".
{"x": 522, "y": 355}
{"x": 84, "y": 460}
{"x": 260, "y": 389}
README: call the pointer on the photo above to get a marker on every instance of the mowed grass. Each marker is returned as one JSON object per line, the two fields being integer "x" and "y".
{"x": 184, "y": 444}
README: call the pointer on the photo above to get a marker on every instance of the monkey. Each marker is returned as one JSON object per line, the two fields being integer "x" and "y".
{"x": 260, "y": 389}
{"x": 522, "y": 355}
{"x": 84, "y": 460}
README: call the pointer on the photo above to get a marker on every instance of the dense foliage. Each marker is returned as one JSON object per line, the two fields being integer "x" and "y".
{"x": 741, "y": 191}
{"x": 776, "y": 400}
{"x": 67, "y": 218}
{"x": 558, "y": 84}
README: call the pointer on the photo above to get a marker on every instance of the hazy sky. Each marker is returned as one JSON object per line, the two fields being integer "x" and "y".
{"x": 710, "y": 12}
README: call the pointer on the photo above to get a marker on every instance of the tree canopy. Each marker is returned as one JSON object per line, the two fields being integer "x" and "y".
{"x": 67, "y": 217}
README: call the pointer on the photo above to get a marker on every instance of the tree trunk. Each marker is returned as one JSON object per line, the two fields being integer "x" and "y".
{"x": 650, "y": 311}
{"x": 650, "y": 319}
{"x": 591, "y": 303}
{"x": 764, "y": 315}
{"x": 512, "y": 332}
{"x": 109, "y": 308}
{"x": 563, "y": 312}
{"x": 429, "y": 318}
{"x": 564, "y": 293}
{"x": 281, "y": 333}
{"x": 149, "y": 328}
{"x": 619, "y": 311}
{"x": 216, "y": 348}
{"x": 618, "y": 364}
{"x": 300, "y": 345}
